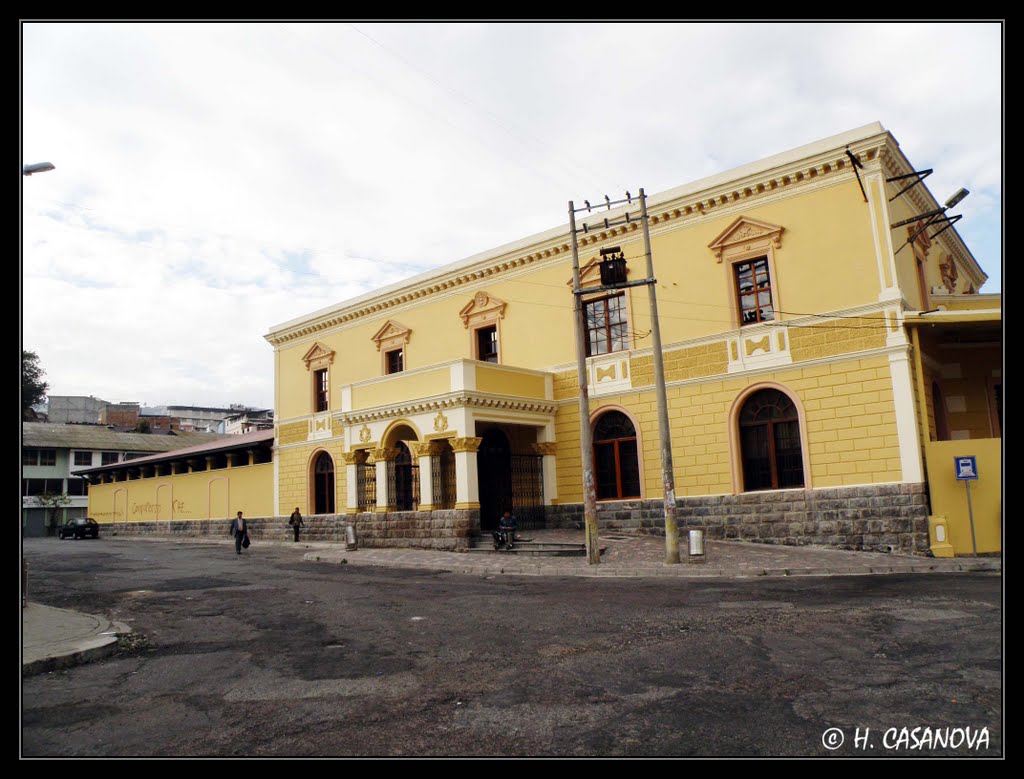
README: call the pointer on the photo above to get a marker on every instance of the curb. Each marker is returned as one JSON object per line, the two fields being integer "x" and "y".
{"x": 659, "y": 573}
{"x": 104, "y": 647}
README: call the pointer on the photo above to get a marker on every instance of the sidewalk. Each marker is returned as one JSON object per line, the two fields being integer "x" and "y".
{"x": 55, "y": 638}
{"x": 644, "y": 556}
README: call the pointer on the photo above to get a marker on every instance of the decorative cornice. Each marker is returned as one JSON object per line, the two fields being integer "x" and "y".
{"x": 744, "y": 233}
{"x": 424, "y": 448}
{"x": 318, "y": 356}
{"x": 465, "y": 444}
{"x": 392, "y": 335}
{"x": 482, "y": 308}
{"x": 456, "y": 400}
{"x": 755, "y": 187}
{"x": 382, "y": 455}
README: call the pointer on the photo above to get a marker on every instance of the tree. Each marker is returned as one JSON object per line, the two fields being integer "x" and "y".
{"x": 33, "y": 388}
{"x": 143, "y": 427}
{"x": 53, "y": 502}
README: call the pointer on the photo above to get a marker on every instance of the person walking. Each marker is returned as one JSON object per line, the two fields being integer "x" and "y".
{"x": 296, "y": 523}
{"x": 240, "y": 530}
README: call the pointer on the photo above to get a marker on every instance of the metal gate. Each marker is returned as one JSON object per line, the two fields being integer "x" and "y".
{"x": 366, "y": 486}
{"x": 528, "y": 489}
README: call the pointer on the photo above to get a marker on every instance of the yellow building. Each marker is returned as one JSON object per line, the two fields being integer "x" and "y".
{"x": 790, "y": 301}
{"x": 825, "y": 358}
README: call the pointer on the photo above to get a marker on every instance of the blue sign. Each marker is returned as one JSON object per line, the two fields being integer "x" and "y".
{"x": 966, "y": 468}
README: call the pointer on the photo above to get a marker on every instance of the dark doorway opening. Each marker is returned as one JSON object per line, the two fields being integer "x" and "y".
{"x": 494, "y": 473}
{"x": 323, "y": 484}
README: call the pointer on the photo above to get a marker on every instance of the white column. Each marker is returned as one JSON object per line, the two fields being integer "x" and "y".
{"x": 381, "y": 458}
{"x": 467, "y": 486}
{"x": 351, "y": 460}
{"x": 423, "y": 452}
{"x": 547, "y": 449}
{"x": 906, "y": 416}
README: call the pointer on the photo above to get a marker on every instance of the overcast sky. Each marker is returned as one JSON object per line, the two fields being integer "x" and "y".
{"x": 214, "y": 180}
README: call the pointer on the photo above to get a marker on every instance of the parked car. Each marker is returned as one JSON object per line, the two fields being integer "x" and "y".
{"x": 82, "y": 527}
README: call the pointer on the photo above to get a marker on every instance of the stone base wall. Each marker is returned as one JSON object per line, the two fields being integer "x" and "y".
{"x": 449, "y": 530}
{"x": 876, "y": 518}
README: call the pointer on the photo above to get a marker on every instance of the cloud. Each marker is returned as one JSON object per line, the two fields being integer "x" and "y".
{"x": 214, "y": 180}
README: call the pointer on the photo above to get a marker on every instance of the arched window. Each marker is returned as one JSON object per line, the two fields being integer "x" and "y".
{"x": 616, "y": 466}
{"x": 323, "y": 484}
{"x": 770, "y": 442}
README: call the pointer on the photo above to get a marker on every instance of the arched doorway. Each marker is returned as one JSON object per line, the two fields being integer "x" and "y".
{"x": 770, "y": 442}
{"x": 323, "y": 484}
{"x": 403, "y": 471}
{"x": 494, "y": 475}
{"x": 616, "y": 465}
{"x": 406, "y": 479}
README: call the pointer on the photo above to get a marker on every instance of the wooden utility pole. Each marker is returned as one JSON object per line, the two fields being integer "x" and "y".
{"x": 668, "y": 480}
{"x": 586, "y": 434}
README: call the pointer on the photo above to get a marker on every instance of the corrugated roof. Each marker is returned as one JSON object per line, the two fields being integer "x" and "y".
{"x": 224, "y": 443}
{"x": 58, "y": 436}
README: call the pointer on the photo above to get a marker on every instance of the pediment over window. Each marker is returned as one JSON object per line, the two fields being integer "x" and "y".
{"x": 392, "y": 335}
{"x": 482, "y": 309}
{"x": 591, "y": 273}
{"x": 746, "y": 234}
{"x": 318, "y": 356}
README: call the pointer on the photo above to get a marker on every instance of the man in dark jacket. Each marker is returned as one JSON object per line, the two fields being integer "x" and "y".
{"x": 296, "y": 523}
{"x": 240, "y": 530}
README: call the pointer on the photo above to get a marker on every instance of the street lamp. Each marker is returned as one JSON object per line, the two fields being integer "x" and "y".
{"x": 36, "y": 167}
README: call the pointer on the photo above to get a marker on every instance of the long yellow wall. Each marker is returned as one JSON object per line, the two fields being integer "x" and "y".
{"x": 949, "y": 496}
{"x": 217, "y": 494}
{"x": 294, "y": 483}
{"x": 850, "y": 428}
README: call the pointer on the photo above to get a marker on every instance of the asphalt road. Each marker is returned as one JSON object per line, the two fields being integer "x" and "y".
{"x": 269, "y": 655}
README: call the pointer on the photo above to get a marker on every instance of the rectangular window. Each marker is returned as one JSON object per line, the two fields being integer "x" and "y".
{"x": 83, "y": 458}
{"x": 33, "y": 487}
{"x": 109, "y": 458}
{"x": 321, "y": 390}
{"x": 78, "y": 487}
{"x": 47, "y": 456}
{"x": 395, "y": 361}
{"x": 30, "y": 457}
{"x": 487, "y": 344}
{"x": 607, "y": 328}
{"x": 754, "y": 291}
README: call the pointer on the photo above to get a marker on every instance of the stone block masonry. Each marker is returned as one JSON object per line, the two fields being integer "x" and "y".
{"x": 873, "y": 518}
{"x": 443, "y": 530}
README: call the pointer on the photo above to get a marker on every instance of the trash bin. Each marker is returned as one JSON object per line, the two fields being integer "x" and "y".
{"x": 697, "y": 552}
{"x": 350, "y": 538}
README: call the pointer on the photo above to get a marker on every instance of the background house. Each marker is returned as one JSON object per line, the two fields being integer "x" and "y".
{"x": 53, "y": 456}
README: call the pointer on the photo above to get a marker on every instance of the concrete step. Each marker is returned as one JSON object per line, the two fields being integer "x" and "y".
{"x": 526, "y": 547}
